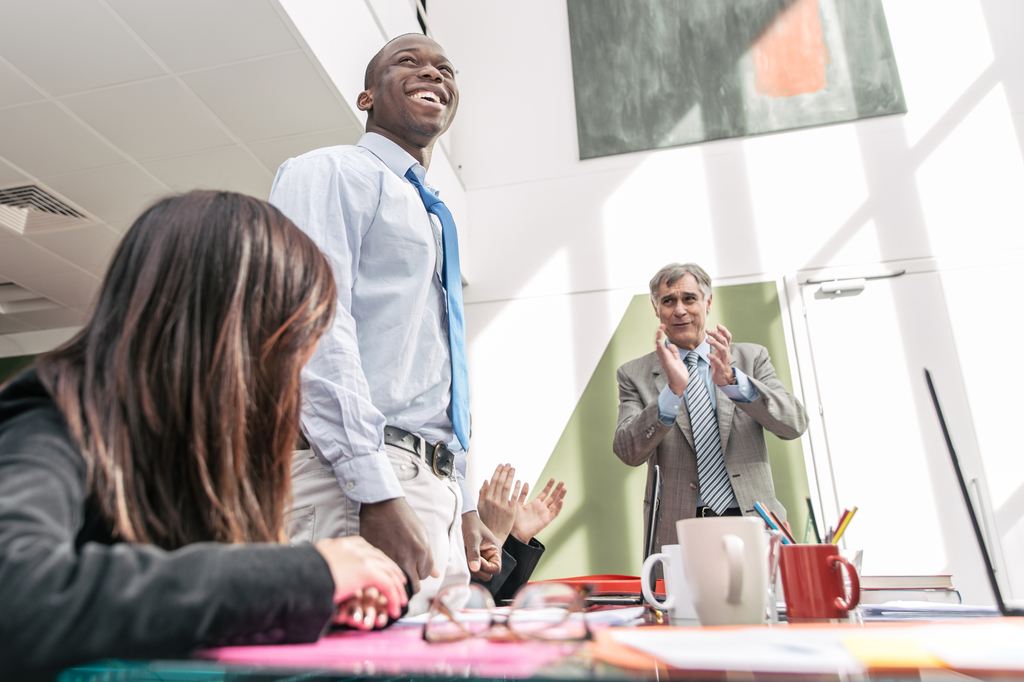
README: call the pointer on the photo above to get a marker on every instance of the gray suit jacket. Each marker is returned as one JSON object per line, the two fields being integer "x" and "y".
{"x": 641, "y": 437}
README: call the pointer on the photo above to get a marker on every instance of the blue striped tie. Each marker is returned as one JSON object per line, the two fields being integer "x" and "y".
{"x": 715, "y": 490}
{"x": 452, "y": 279}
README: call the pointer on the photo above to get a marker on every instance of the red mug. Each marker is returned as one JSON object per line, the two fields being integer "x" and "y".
{"x": 812, "y": 581}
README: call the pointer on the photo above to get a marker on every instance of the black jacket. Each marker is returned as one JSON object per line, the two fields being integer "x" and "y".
{"x": 517, "y": 563}
{"x": 70, "y": 593}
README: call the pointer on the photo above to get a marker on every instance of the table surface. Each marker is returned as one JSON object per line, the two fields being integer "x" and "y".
{"x": 400, "y": 652}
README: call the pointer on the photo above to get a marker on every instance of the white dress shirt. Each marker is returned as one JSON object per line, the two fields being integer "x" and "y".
{"x": 385, "y": 359}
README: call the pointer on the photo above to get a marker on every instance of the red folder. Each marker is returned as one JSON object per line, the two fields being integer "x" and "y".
{"x": 608, "y": 583}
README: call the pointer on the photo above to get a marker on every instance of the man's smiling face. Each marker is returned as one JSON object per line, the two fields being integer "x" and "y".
{"x": 683, "y": 309}
{"x": 411, "y": 95}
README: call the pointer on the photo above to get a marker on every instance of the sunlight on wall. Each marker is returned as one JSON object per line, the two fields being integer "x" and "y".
{"x": 971, "y": 184}
{"x": 943, "y": 50}
{"x": 801, "y": 195}
{"x": 659, "y": 213}
{"x": 528, "y": 368}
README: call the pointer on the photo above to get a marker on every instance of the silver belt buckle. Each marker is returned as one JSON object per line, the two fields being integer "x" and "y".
{"x": 433, "y": 462}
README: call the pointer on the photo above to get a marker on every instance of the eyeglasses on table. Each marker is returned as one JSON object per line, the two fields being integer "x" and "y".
{"x": 541, "y": 611}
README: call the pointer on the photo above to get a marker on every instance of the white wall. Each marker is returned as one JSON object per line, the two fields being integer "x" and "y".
{"x": 560, "y": 244}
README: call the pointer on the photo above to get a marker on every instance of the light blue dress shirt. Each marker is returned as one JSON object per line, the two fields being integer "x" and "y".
{"x": 385, "y": 359}
{"x": 743, "y": 391}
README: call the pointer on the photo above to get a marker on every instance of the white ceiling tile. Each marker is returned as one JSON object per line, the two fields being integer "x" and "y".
{"x": 153, "y": 118}
{"x": 27, "y": 264}
{"x": 9, "y": 177}
{"x": 192, "y": 34}
{"x": 72, "y": 288}
{"x": 43, "y": 139}
{"x": 9, "y": 325}
{"x": 273, "y": 152}
{"x": 71, "y": 45}
{"x": 52, "y": 319}
{"x": 89, "y": 247}
{"x": 272, "y": 97}
{"x": 115, "y": 194}
{"x": 37, "y": 341}
{"x": 14, "y": 89}
{"x": 230, "y": 168}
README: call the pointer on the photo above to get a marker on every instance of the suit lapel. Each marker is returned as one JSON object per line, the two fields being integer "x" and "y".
{"x": 683, "y": 421}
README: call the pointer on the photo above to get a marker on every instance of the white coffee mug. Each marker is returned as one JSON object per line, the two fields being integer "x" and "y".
{"x": 678, "y": 604}
{"x": 726, "y": 566}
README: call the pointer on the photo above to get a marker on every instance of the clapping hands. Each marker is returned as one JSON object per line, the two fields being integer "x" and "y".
{"x": 533, "y": 517}
{"x": 499, "y": 501}
{"x": 722, "y": 372}
{"x": 504, "y": 508}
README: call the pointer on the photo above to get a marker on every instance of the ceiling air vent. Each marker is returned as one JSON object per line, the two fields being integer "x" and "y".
{"x": 15, "y": 299}
{"x": 30, "y": 208}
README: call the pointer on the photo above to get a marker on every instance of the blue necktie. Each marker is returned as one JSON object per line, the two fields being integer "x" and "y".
{"x": 452, "y": 280}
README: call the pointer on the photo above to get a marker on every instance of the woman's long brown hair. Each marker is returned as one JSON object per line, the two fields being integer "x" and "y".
{"x": 182, "y": 390}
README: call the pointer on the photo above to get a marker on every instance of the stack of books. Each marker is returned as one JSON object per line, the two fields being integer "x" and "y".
{"x": 879, "y": 589}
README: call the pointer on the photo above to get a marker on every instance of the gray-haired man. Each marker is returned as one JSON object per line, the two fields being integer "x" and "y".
{"x": 697, "y": 406}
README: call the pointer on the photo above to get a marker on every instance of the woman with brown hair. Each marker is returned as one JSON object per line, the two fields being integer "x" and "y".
{"x": 144, "y": 465}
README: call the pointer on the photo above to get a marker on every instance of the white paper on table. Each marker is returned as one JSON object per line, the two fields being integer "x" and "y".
{"x": 748, "y": 649}
{"x": 623, "y": 616}
{"x": 924, "y": 610}
{"x": 998, "y": 645}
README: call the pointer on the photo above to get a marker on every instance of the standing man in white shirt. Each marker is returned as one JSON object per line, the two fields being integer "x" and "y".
{"x": 387, "y": 435}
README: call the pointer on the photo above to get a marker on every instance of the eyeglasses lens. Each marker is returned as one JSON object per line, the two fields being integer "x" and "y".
{"x": 548, "y": 611}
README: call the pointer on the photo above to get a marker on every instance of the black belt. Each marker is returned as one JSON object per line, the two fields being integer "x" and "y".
{"x": 704, "y": 512}
{"x": 440, "y": 459}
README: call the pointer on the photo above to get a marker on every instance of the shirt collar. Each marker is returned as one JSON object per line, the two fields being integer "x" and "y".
{"x": 393, "y": 156}
{"x": 703, "y": 351}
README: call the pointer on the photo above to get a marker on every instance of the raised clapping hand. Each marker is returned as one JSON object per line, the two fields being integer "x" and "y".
{"x": 499, "y": 501}
{"x": 534, "y": 516}
{"x": 671, "y": 364}
{"x": 721, "y": 357}
{"x": 368, "y": 586}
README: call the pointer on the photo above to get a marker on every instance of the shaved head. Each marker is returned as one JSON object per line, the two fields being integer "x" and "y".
{"x": 410, "y": 95}
{"x": 371, "y": 67}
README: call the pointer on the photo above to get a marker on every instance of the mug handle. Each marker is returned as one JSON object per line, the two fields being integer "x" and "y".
{"x": 733, "y": 545}
{"x": 645, "y": 583}
{"x": 854, "y": 598}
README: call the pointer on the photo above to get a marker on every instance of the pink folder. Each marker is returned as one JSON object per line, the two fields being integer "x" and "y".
{"x": 398, "y": 650}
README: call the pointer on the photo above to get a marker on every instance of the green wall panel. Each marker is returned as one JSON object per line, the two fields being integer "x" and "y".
{"x": 601, "y": 526}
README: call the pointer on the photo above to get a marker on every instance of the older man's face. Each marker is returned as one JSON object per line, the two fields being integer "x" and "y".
{"x": 683, "y": 309}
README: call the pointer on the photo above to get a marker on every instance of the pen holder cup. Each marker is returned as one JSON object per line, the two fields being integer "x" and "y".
{"x": 820, "y": 584}
{"x": 856, "y": 557}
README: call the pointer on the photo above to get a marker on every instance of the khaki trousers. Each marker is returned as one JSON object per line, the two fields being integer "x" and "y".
{"x": 320, "y": 509}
